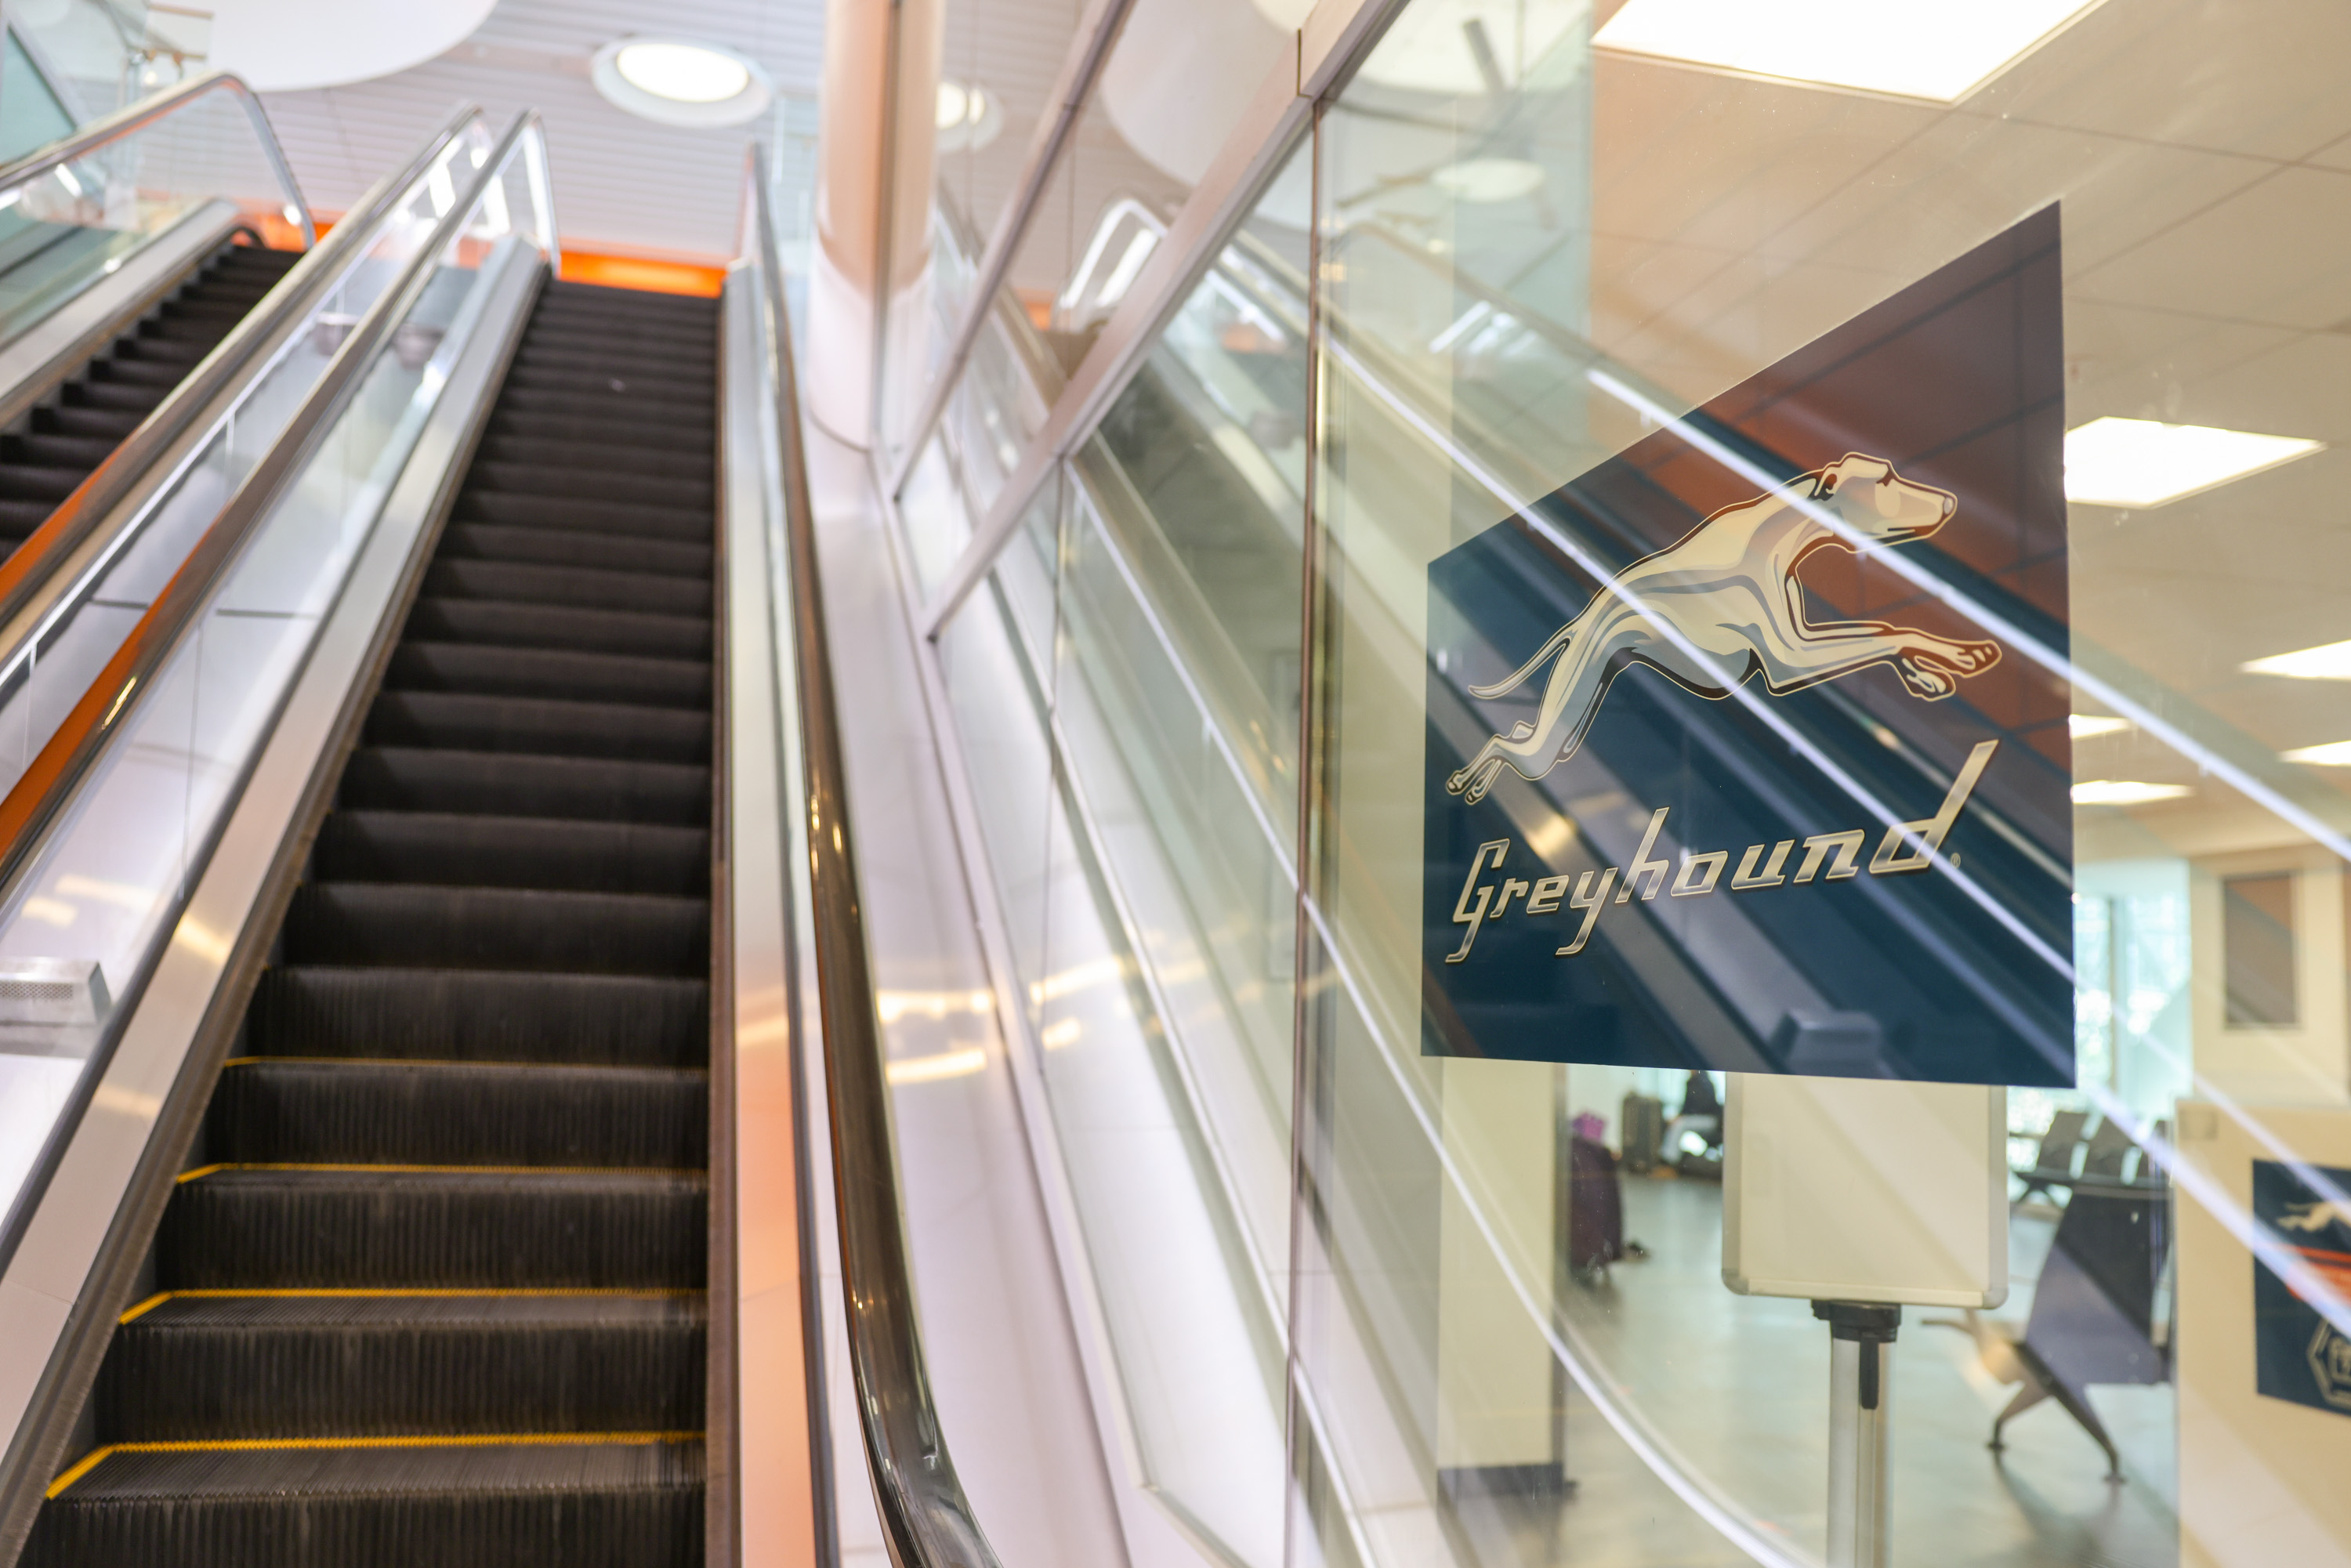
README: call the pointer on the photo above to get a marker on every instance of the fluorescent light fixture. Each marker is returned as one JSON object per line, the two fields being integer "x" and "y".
{"x": 1056, "y": 1036}
{"x": 680, "y": 81}
{"x": 2138, "y": 463}
{"x": 2083, "y": 725}
{"x": 2334, "y": 754}
{"x": 931, "y": 1068}
{"x": 1933, "y": 49}
{"x": 2327, "y": 661}
{"x": 2125, "y": 792}
{"x": 1130, "y": 262}
{"x": 65, "y": 178}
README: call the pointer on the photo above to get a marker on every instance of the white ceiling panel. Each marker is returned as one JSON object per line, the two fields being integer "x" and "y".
{"x": 620, "y": 181}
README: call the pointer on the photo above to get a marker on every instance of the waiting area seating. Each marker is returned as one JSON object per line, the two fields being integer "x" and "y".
{"x": 2100, "y": 1308}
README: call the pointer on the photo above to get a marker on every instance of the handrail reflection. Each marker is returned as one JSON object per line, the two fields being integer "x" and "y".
{"x": 925, "y": 1517}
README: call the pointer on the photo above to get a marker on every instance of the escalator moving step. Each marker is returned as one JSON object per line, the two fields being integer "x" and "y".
{"x": 432, "y": 1291}
{"x": 102, "y": 403}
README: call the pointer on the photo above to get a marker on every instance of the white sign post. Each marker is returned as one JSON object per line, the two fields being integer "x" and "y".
{"x": 1863, "y": 1195}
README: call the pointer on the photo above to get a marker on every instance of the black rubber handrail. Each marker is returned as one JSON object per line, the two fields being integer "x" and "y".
{"x": 131, "y": 118}
{"x": 29, "y": 580}
{"x": 925, "y": 1518}
{"x": 49, "y": 784}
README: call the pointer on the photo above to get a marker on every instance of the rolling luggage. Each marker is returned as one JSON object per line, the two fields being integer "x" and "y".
{"x": 1644, "y": 1130}
{"x": 1595, "y": 1209}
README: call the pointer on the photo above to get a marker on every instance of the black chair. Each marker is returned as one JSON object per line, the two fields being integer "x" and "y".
{"x": 2093, "y": 1317}
{"x": 2054, "y": 1165}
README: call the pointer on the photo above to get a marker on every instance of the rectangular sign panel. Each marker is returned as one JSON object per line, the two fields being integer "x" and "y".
{"x": 2298, "y": 1355}
{"x": 1747, "y": 749}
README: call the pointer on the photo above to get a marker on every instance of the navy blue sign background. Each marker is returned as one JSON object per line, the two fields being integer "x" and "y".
{"x": 2297, "y": 1354}
{"x": 1837, "y": 952}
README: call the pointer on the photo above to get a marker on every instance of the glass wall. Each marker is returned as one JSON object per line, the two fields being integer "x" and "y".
{"x": 1822, "y": 605}
{"x": 1801, "y": 960}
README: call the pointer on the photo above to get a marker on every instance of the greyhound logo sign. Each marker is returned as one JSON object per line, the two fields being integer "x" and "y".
{"x": 1723, "y": 605}
{"x": 1672, "y": 706}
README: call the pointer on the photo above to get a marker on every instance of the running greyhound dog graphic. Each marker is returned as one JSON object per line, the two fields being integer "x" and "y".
{"x": 1722, "y": 605}
{"x": 2316, "y": 1216}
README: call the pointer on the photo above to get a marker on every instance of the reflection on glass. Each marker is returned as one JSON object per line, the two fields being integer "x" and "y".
{"x": 2257, "y": 949}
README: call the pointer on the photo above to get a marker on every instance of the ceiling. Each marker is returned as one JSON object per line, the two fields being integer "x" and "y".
{"x": 620, "y": 183}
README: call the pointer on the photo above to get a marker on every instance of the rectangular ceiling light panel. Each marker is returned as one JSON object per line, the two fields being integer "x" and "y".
{"x": 1939, "y": 52}
{"x": 2141, "y": 462}
{"x": 2327, "y": 661}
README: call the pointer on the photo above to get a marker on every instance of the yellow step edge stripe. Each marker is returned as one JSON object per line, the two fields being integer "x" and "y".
{"x": 202, "y": 1171}
{"x": 420, "y": 1291}
{"x": 91, "y": 1460}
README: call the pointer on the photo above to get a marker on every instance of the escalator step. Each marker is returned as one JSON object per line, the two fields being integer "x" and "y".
{"x": 407, "y": 778}
{"x": 102, "y": 394}
{"x": 459, "y": 1114}
{"x": 571, "y": 547}
{"x": 512, "y": 851}
{"x": 590, "y": 484}
{"x": 82, "y": 451}
{"x": 559, "y": 625}
{"x": 684, "y": 524}
{"x": 684, "y": 417}
{"x": 390, "y": 1226}
{"x": 615, "y": 431}
{"x": 97, "y": 421}
{"x": 480, "y": 1016}
{"x": 26, "y": 482}
{"x": 489, "y": 670}
{"x": 583, "y": 587}
{"x": 631, "y": 1504}
{"x": 414, "y": 927}
{"x": 614, "y": 356}
{"x": 160, "y": 373}
{"x": 228, "y": 1367}
{"x": 556, "y": 454}
{"x": 541, "y": 726}
{"x": 614, "y": 382}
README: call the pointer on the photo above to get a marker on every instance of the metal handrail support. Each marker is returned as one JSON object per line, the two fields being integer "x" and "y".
{"x": 48, "y": 785}
{"x": 925, "y": 1518}
{"x": 131, "y": 117}
{"x": 33, "y": 580}
{"x": 1079, "y": 71}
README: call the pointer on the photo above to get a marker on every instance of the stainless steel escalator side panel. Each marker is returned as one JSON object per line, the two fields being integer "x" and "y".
{"x": 76, "y": 1265}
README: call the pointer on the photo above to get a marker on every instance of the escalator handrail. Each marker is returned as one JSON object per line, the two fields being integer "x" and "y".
{"x": 926, "y": 1519}
{"x": 31, "y": 579}
{"x": 134, "y": 117}
{"x": 46, "y": 788}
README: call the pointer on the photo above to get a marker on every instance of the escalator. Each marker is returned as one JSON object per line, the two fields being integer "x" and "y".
{"x": 430, "y": 1288}
{"x": 77, "y": 426}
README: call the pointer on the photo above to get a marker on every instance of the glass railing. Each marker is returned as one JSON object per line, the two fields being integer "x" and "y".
{"x": 49, "y": 655}
{"x": 74, "y": 211}
{"x": 177, "y": 654}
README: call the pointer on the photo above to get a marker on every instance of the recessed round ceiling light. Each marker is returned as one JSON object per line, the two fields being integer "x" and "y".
{"x": 968, "y": 117}
{"x": 685, "y": 72}
{"x": 680, "y": 81}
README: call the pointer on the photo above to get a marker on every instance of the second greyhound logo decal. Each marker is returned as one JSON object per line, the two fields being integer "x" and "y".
{"x": 1747, "y": 749}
